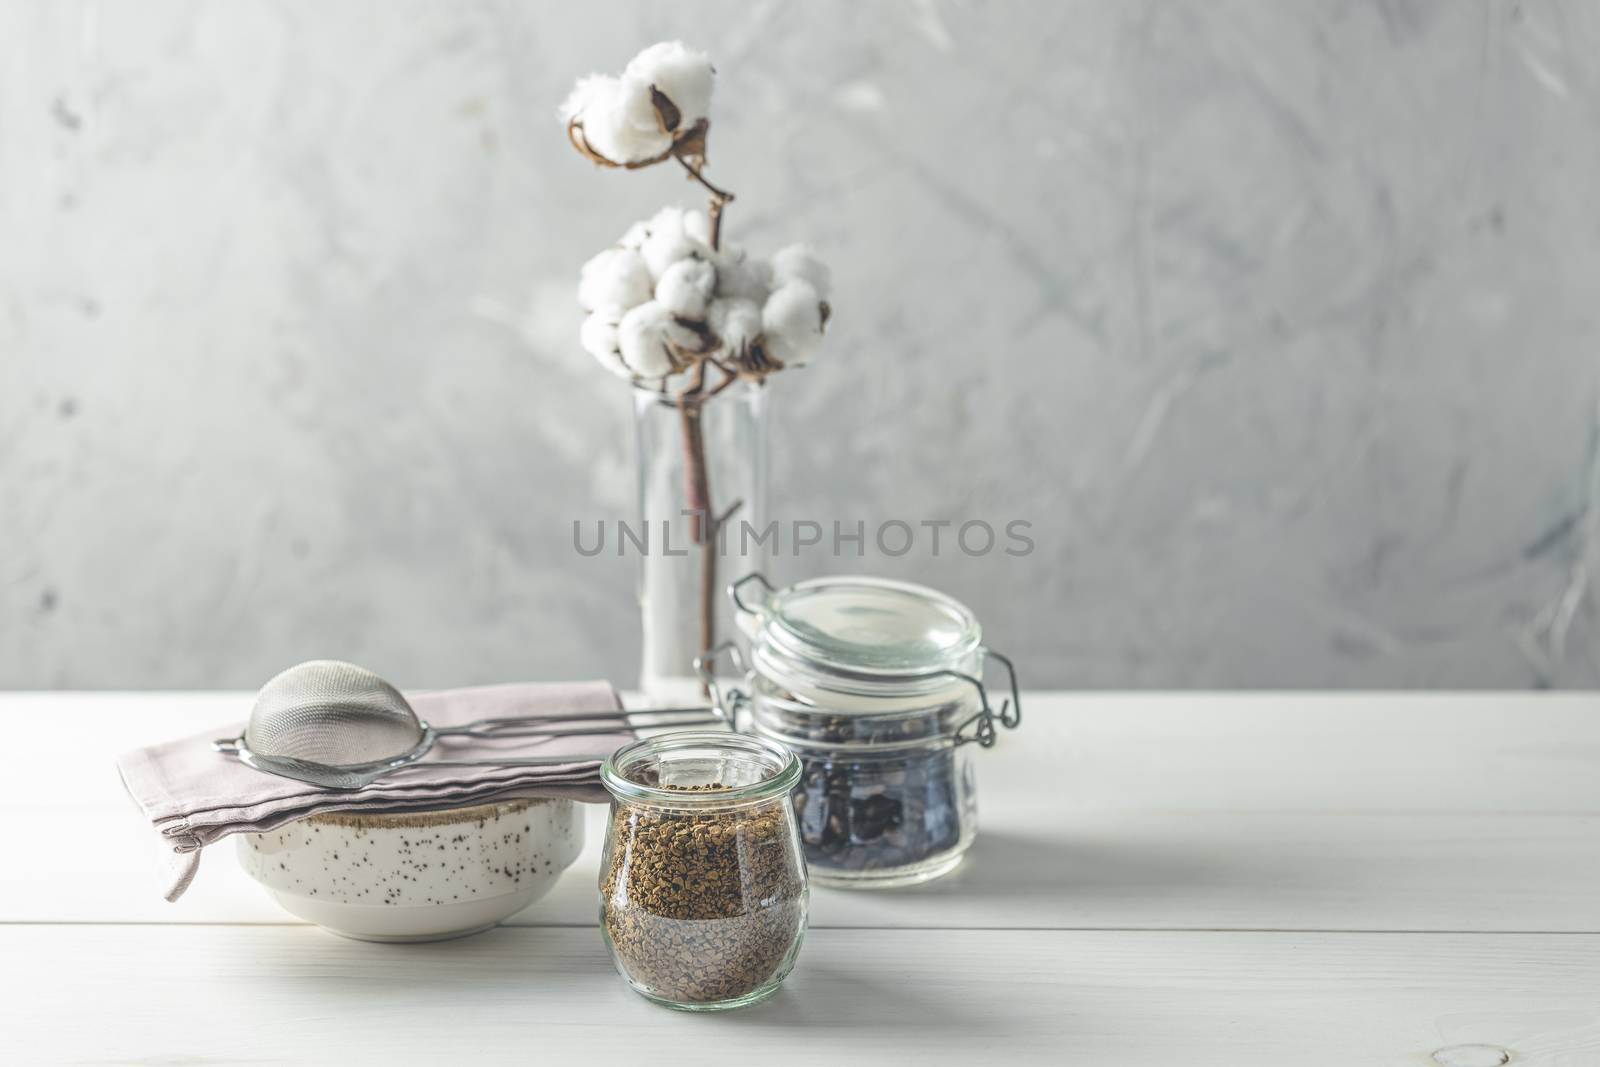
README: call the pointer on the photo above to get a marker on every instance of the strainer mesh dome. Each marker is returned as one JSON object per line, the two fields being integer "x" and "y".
{"x": 333, "y": 713}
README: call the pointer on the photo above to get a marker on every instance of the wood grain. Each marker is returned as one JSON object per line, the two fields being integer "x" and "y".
{"x": 187, "y": 995}
{"x": 1365, "y": 812}
{"x": 1159, "y": 879}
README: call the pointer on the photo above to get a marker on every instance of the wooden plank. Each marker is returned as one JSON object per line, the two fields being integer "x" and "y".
{"x": 1354, "y": 752}
{"x": 257, "y": 995}
{"x": 1085, "y": 822}
{"x": 1078, "y": 869}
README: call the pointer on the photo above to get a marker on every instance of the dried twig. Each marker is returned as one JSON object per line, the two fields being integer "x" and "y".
{"x": 730, "y": 377}
{"x": 691, "y": 143}
{"x": 689, "y": 149}
{"x": 720, "y": 198}
{"x": 726, "y": 515}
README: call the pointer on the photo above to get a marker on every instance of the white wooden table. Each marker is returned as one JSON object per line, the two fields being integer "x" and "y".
{"x": 1159, "y": 879}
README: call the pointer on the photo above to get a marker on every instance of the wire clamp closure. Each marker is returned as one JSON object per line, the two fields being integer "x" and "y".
{"x": 705, "y": 665}
{"x": 980, "y": 727}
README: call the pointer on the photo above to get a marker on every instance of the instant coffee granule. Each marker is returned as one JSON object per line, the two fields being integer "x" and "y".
{"x": 864, "y": 811}
{"x": 702, "y": 906}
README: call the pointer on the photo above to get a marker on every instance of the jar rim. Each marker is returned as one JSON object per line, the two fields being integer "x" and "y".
{"x": 925, "y": 688}
{"x": 847, "y": 625}
{"x": 613, "y": 772}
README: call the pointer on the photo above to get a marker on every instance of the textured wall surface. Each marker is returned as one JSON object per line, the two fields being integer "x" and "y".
{"x": 1278, "y": 321}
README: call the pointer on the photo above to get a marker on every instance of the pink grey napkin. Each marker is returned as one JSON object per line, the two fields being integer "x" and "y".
{"x": 194, "y": 796}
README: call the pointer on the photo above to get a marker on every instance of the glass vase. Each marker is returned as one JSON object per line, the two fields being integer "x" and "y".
{"x": 702, "y": 474}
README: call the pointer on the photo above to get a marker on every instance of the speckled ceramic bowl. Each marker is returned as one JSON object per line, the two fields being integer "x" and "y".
{"x": 416, "y": 877}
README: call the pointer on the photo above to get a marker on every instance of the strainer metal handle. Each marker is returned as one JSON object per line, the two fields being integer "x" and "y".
{"x": 340, "y": 726}
{"x": 512, "y": 728}
{"x": 513, "y": 761}
{"x": 362, "y": 775}
{"x": 525, "y": 725}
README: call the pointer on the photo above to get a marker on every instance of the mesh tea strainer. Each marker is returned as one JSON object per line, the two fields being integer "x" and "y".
{"x": 340, "y": 726}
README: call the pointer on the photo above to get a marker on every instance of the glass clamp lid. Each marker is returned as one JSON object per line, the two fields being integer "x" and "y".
{"x": 871, "y": 626}
{"x": 871, "y": 635}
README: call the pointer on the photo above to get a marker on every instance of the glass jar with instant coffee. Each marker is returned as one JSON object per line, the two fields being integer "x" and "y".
{"x": 877, "y": 686}
{"x": 702, "y": 886}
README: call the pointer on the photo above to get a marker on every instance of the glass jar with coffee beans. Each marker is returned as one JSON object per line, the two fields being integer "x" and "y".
{"x": 877, "y": 686}
{"x": 702, "y": 884}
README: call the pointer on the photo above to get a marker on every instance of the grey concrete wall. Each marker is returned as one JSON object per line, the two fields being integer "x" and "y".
{"x": 1277, "y": 320}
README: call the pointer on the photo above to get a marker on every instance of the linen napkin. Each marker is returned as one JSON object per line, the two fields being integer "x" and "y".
{"x": 194, "y": 796}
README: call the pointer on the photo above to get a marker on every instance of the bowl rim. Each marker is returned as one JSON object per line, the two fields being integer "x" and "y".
{"x": 356, "y": 819}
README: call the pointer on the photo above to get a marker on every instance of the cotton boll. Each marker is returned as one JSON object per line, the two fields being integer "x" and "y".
{"x": 696, "y": 225}
{"x": 593, "y": 105}
{"x": 598, "y": 335}
{"x": 792, "y": 322}
{"x": 596, "y": 89}
{"x": 600, "y": 104}
{"x": 624, "y": 120}
{"x": 635, "y": 237}
{"x": 661, "y": 250}
{"x": 685, "y": 287}
{"x": 642, "y": 339}
{"x": 742, "y": 277}
{"x": 599, "y": 338}
{"x": 737, "y": 322}
{"x": 679, "y": 73}
{"x": 638, "y": 108}
{"x": 691, "y": 335}
{"x": 617, "y": 276}
{"x": 669, "y": 220}
{"x": 797, "y": 263}
{"x": 616, "y": 142}
{"x": 623, "y": 142}
{"x": 793, "y": 310}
